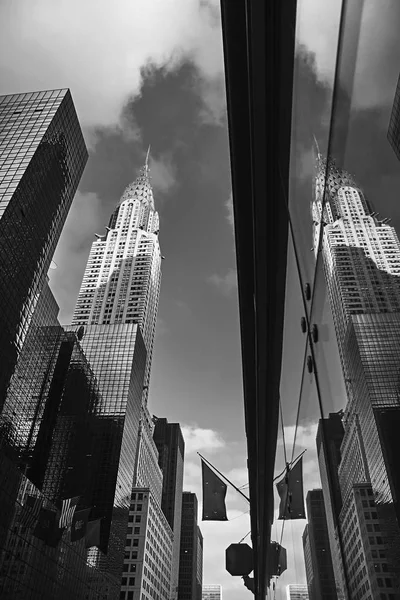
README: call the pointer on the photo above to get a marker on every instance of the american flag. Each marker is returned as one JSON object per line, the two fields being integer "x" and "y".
{"x": 67, "y": 511}
{"x": 30, "y": 511}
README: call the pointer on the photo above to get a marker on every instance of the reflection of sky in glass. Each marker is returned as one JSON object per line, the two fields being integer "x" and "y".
{"x": 349, "y": 122}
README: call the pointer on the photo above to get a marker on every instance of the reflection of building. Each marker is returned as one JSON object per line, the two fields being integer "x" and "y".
{"x": 42, "y": 156}
{"x": 190, "y": 562}
{"x": 365, "y": 553}
{"x": 297, "y": 591}
{"x": 211, "y": 592}
{"x": 171, "y": 448}
{"x": 362, "y": 268}
{"x": 117, "y": 356}
{"x": 199, "y": 566}
{"x": 329, "y": 439}
{"x": 148, "y": 550}
{"x": 31, "y": 569}
{"x": 394, "y": 124}
{"x": 317, "y": 553}
{"x": 26, "y": 398}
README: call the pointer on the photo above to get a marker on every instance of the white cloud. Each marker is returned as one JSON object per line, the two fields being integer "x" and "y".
{"x": 84, "y": 218}
{"x": 197, "y": 438}
{"x": 229, "y": 209}
{"x": 163, "y": 173}
{"x": 376, "y": 65}
{"x": 100, "y": 49}
{"x": 305, "y": 436}
{"x": 226, "y": 284}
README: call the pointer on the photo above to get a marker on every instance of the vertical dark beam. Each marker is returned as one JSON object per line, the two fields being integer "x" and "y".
{"x": 259, "y": 55}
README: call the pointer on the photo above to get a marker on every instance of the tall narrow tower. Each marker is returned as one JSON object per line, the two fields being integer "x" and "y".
{"x": 122, "y": 279}
{"x": 361, "y": 258}
{"x": 42, "y": 157}
{"x": 117, "y": 306}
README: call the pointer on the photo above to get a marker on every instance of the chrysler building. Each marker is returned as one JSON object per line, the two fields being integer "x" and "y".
{"x": 122, "y": 279}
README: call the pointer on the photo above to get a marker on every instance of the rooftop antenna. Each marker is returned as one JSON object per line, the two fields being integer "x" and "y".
{"x": 317, "y": 147}
{"x": 146, "y": 165}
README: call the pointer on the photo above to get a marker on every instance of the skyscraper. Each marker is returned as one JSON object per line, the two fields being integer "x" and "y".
{"x": 148, "y": 550}
{"x": 42, "y": 157}
{"x": 361, "y": 256}
{"x": 211, "y": 591}
{"x": 171, "y": 449}
{"x": 329, "y": 439}
{"x": 297, "y": 591}
{"x": 122, "y": 278}
{"x": 317, "y": 553}
{"x": 117, "y": 306}
{"x": 191, "y": 541}
{"x": 394, "y": 123}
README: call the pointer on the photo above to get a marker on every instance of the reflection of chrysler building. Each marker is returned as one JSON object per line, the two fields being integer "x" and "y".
{"x": 123, "y": 273}
{"x": 361, "y": 252}
{"x": 361, "y": 261}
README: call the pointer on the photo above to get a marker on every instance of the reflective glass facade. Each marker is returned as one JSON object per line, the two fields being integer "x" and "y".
{"x": 117, "y": 356}
{"x": 42, "y": 157}
{"x": 339, "y": 387}
{"x": 28, "y": 567}
{"x": 317, "y": 553}
{"x": 29, "y": 386}
{"x": 394, "y": 124}
{"x": 171, "y": 449}
{"x": 190, "y": 562}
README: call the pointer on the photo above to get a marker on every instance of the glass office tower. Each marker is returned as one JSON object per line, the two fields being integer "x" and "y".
{"x": 171, "y": 448}
{"x": 394, "y": 124}
{"x": 317, "y": 553}
{"x": 191, "y": 557}
{"x": 42, "y": 157}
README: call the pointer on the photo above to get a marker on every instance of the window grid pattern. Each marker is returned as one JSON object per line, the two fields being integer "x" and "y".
{"x": 148, "y": 551}
{"x": 42, "y": 157}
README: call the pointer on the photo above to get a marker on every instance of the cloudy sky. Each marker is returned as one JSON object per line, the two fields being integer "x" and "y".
{"x": 152, "y": 73}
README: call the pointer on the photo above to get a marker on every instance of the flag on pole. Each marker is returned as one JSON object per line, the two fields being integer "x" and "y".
{"x": 214, "y": 492}
{"x": 67, "y": 511}
{"x": 290, "y": 490}
{"x": 47, "y": 528}
{"x": 92, "y": 537}
{"x": 30, "y": 511}
{"x": 79, "y": 524}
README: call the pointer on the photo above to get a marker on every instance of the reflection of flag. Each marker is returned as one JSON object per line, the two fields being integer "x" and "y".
{"x": 67, "y": 511}
{"x": 47, "y": 528}
{"x": 30, "y": 511}
{"x": 290, "y": 490}
{"x": 93, "y": 533}
{"x": 214, "y": 492}
{"x": 79, "y": 523}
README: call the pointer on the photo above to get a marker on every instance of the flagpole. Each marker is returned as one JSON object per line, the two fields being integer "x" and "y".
{"x": 290, "y": 465}
{"x": 226, "y": 479}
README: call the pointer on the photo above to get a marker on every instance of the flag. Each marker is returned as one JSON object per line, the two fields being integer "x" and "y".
{"x": 67, "y": 511}
{"x": 290, "y": 490}
{"x": 79, "y": 524}
{"x": 92, "y": 533}
{"x": 47, "y": 528}
{"x": 214, "y": 492}
{"x": 30, "y": 511}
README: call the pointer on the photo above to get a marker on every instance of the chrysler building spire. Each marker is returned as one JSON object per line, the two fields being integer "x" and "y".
{"x": 123, "y": 274}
